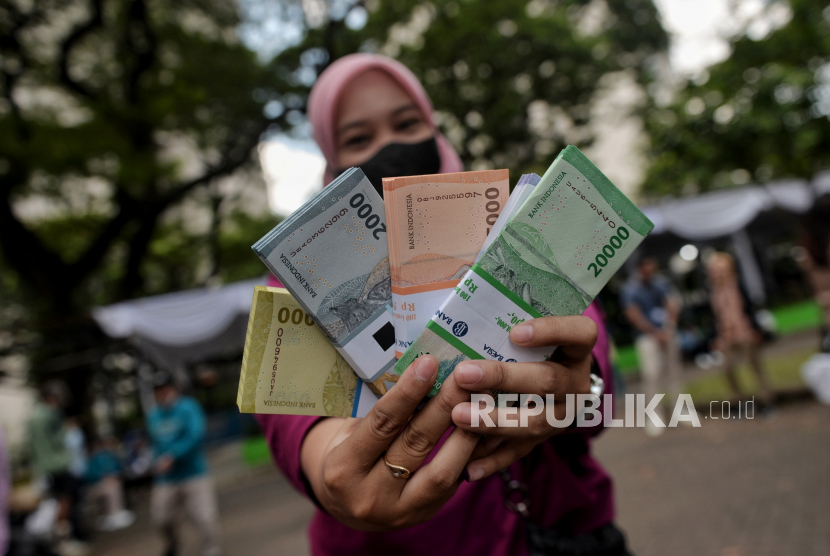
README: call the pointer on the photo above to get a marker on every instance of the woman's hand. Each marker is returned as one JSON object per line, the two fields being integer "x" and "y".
{"x": 343, "y": 458}
{"x": 568, "y": 372}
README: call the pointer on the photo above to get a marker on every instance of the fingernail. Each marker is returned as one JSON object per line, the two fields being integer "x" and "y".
{"x": 425, "y": 369}
{"x": 465, "y": 475}
{"x": 474, "y": 473}
{"x": 522, "y": 333}
{"x": 468, "y": 374}
{"x": 463, "y": 414}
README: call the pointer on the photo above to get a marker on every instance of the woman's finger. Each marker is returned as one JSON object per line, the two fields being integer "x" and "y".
{"x": 510, "y": 451}
{"x": 486, "y": 446}
{"x": 383, "y": 423}
{"x": 514, "y": 425}
{"x": 440, "y": 477}
{"x": 425, "y": 429}
{"x": 540, "y": 378}
{"x": 575, "y": 336}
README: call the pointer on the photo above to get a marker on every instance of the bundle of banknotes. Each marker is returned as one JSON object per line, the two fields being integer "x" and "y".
{"x": 332, "y": 255}
{"x": 445, "y": 264}
{"x": 290, "y": 366}
{"x": 438, "y": 225}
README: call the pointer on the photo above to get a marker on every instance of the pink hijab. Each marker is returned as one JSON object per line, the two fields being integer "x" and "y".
{"x": 322, "y": 110}
{"x": 322, "y": 105}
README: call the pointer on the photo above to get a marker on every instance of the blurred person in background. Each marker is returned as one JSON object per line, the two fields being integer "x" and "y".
{"x": 138, "y": 460}
{"x": 738, "y": 334}
{"x": 5, "y": 492}
{"x": 176, "y": 426}
{"x": 51, "y": 459}
{"x": 370, "y": 111}
{"x": 816, "y": 260}
{"x": 103, "y": 474}
{"x": 652, "y": 306}
{"x": 75, "y": 442}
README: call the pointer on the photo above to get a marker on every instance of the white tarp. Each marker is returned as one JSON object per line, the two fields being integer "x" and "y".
{"x": 180, "y": 318}
{"x": 723, "y": 213}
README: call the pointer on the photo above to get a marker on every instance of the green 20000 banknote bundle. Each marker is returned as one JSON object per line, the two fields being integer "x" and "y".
{"x": 552, "y": 257}
{"x": 555, "y": 244}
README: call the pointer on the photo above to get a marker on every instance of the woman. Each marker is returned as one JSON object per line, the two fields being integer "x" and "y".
{"x": 816, "y": 260}
{"x": 370, "y": 111}
{"x": 737, "y": 333}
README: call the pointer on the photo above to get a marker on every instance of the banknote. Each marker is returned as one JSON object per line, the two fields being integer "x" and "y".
{"x": 524, "y": 187}
{"x": 290, "y": 367}
{"x": 574, "y": 230}
{"x": 332, "y": 255}
{"x": 436, "y": 227}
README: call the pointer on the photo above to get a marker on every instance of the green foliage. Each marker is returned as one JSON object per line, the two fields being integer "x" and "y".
{"x": 115, "y": 117}
{"x": 513, "y": 80}
{"x": 762, "y": 113}
{"x": 234, "y": 247}
{"x": 113, "y": 114}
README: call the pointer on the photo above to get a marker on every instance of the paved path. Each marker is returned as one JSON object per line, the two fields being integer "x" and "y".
{"x": 731, "y": 488}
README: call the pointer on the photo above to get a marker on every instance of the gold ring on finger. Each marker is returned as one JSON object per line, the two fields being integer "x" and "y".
{"x": 398, "y": 471}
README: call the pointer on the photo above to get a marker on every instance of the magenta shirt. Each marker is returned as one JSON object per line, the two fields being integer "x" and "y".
{"x": 568, "y": 490}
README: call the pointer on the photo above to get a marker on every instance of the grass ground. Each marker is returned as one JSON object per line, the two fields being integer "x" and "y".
{"x": 784, "y": 372}
{"x": 789, "y": 319}
{"x": 255, "y": 451}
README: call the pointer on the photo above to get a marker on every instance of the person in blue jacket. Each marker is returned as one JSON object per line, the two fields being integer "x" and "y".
{"x": 176, "y": 426}
{"x": 103, "y": 475}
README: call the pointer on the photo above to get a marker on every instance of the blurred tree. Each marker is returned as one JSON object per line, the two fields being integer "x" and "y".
{"x": 127, "y": 130}
{"x": 120, "y": 124}
{"x": 760, "y": 114}
{"x": 119, "y": 117}
{"x": 514, "y": 81}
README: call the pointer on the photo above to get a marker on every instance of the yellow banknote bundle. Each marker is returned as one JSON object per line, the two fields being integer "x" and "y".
{"x": 290, "y": 367}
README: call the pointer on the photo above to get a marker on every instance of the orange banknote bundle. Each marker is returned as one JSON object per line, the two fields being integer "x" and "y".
{"x": 436, "y": 226}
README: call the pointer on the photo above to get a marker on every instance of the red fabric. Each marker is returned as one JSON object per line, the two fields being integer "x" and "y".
{"x": 569, "y": 489}
{"x": 322, "y": 105}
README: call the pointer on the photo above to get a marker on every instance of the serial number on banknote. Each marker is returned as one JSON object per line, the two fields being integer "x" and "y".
{"x": 296, "y": 316}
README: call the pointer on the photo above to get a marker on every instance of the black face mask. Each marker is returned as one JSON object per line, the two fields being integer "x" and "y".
{"x": 402, "y": 159}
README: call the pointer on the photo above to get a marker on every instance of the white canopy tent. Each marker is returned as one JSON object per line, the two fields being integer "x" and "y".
{"x": 723, "y": 213}
{"x": 183, "y": 327}
{"x": 728, "y": 213}
{"x": 179, "y": 318}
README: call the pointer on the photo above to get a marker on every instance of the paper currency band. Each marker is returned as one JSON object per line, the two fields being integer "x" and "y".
{"x": 512, "y": 296}
{"x": 407, "y": 290}
{"x": 453, "y": 341}
{"x": 464, "y": 321}
{"x": 369, "y": 350}
{"x": 413, "y": 310}
{"x": 487, "y": 277}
